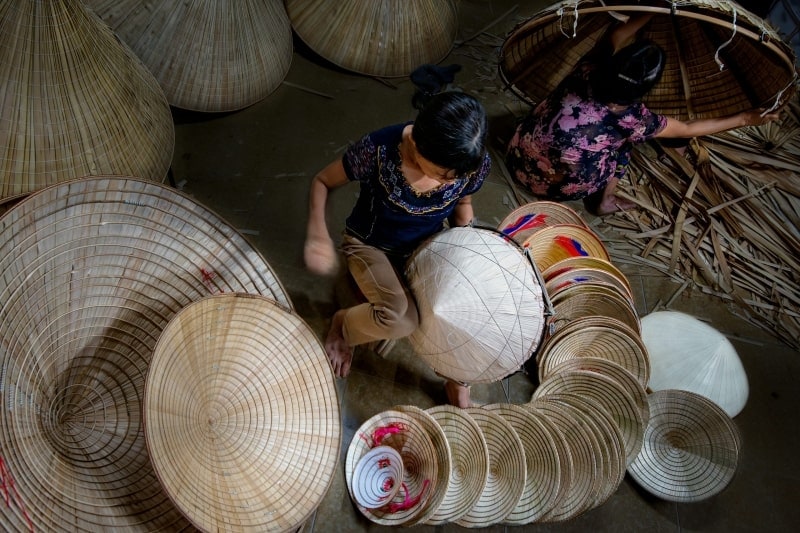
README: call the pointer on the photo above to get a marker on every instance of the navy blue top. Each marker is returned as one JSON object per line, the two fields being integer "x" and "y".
{"x": 389, "y": 214}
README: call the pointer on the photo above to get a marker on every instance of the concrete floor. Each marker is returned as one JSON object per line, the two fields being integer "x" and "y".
{"x": 253, "y": 168}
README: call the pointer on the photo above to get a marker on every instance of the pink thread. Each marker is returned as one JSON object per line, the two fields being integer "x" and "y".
{"x": 9, "y": 490}
{"x": 382, "y": 432}
{"x": 208, "y": 280}
{"x": 408, "y": 502}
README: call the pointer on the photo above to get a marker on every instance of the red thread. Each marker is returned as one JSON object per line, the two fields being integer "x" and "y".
{"x": 382, "y": 432}
{"x": 408, "y": 502}
{"x": 208, "y": 280}
{"x": 9, "y": 490}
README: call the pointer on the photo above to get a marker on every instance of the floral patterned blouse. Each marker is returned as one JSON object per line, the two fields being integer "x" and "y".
{"x": 569, "y": 146}
{"x": 389, "y": 214}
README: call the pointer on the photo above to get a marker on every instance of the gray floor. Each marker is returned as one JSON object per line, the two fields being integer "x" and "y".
{"x": 253, "y": 168}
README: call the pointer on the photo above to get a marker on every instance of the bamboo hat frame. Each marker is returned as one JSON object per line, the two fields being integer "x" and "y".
{"x": 527, "y": 219}
{"x": 239, "y": 393}
{"x": 720, "y": 58}
{"x": 207, "y": 55}
{"x": 555, "y": 243}
{"x": 376, "y": 37}
{"x": 75, "y": 101}
{"x": 93, "y": 271}
{"x": 480, "y": 302}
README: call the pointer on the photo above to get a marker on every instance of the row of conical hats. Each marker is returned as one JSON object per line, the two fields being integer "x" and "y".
{"x": 155, "y": 374}
{"x": 85, "y": 100}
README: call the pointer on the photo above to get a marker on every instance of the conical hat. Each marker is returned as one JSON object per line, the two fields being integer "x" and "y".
{"x": 376, "y": 37}
{"x": 75, "y": 101}
{"x": 526, "y": 220}
{"x": 593, "y": 299}
{"x": 688, "y": 354}
{"x": 93, "y": 270}
{"x": 239, "y": 393}
{"x": 691, "y": 448}
{"x": 561, "y": 241}
{"x": 208, "y": 55}
{"x": 480, "y": 304}
{"x": 720, "y": 58}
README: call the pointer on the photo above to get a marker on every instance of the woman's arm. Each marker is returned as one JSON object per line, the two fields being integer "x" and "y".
{"x": 627, "y": 30}
{"x": 319, "y": 253}
{"x": 709, "y": 126}
{"x": 463, "y": 213}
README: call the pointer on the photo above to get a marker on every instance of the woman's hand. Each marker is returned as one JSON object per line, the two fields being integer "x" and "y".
{"x": 320, "y": 256}
{"x": 756, "y": 117}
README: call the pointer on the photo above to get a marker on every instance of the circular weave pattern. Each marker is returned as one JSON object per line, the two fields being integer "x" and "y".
{"x": 542, "y": 466}
{"x": 75, "y": 101}
{"x": 527, "y": 219}
{"x": 687, "y": 354}
{"x": 592, "y": 299}
{"x": 720, "y": 58}
{"x": 597, "y": 337}
{"x": 376, "y": 37}
{"x": 555, "y": 243}
{"x": 570, "y": 263}
{"x": 480, "y": 304}
{"x": 506, "y": 481}
{"x": 207, "y": 55}
{"x": 470, "y": 463}
{"x": 576, "y": 276}
{"x": 691, "y": 448}
{"x": 93, "y": 270}
{"x": 403, "y": 432}
{"x": 377, "y": 477}
{"x": 239, "y": 394}
{"x": 444, "y": 459}
{"x": 627, "y": 411}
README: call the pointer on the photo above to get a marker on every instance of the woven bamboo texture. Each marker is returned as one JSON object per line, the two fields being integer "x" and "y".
{"x": 74, "y": 101}
{"x": 92, "y": 271}
{"x": 207, "y": 55}
{"x": 386, "y": 38}
{"x": 239, "y": 394}
{"x": 724, "y": 222}
{"x": 480, "y": 304}
{"x": 721, "y": 59}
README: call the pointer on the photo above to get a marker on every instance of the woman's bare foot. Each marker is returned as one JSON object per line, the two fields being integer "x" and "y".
{"x": 457, "y": 394}
{"x": 340, "y": 354}
{"x": 613, "y": 204}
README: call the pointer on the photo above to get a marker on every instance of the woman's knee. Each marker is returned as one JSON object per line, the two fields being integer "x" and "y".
{"x": 398, "y": 318}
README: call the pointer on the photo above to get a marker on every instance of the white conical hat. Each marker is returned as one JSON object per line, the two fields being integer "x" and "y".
{"x": 690, "y": 355}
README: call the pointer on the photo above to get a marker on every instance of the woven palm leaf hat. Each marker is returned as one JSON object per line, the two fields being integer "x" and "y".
{"x": 75, "y": 101}
{"x": 480, "y": 304}
{"x": 93, "y": 270}
{"x": 241, "y": 415}
{"x": 208, "y": 55}
{"x": 720, "y": 58}
{"x": 506, "y": 482}
{"x": 688, "y": 354}
{"x": 691, "y": 448}
{"x": 542, "y": 463}
{"x": 469, "y": 463}
{"x": 382, "y": 38}
{"x": 593, "y": 299}
{"x": 527, "y": 219}
{"x": 403, "y": 431}
{"x": 561, "y": 241}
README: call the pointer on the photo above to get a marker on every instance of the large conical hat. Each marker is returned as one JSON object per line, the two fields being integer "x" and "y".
{"x": 720, "y": 58}
{"x": 93, "y": 270}
{"x": 376, "y": 37}
{"x": 240, "y": 393}
{"x": 74, "y": 101}
{"x": 480, "y": 304}
{"x": 208, "y": 55}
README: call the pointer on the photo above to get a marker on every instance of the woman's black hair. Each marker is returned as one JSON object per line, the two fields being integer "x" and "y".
{"x": 628, "y": 75}
{"x": 450, "y": 131}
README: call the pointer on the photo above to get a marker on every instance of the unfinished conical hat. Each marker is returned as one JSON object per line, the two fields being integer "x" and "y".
{"x": 593, "y": 299}
{"x": 691, "y": 448}
{"x": 444, "y": 460}
{"x": 526, "y": 220}
{"x": 75, "y": 102}
{"x": 239, "y": 393}
{"x": 571, "y": 263}
{"x": 506, "y": 481}
{"x": 93, "y": 270}
{"x": 480, "y": 304}
{"x": 688, "y": 354}
{"x": 470, "y": 463}
{"x": 576, "y": 276}
{"x": 720, "y": 58}
{"x": 560, "y": 241}
{"x": 383, "y": 38}
{"x": 543, "y": 469}
{"x": 208, "y": 55}
{"x": 405, "y": 433}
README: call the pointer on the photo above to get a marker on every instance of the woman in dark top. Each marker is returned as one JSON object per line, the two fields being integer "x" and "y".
{"x": 577, "y": 142}
{"x": 413, "y": 178}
